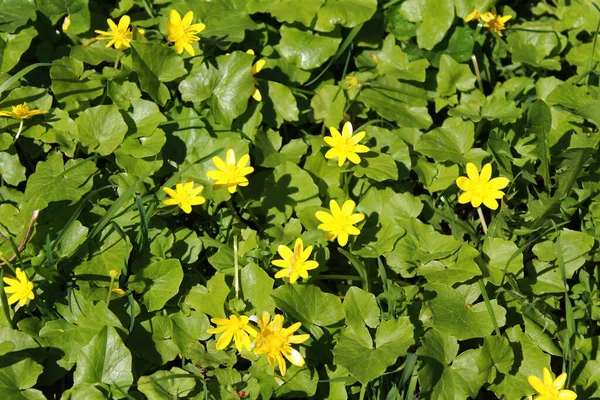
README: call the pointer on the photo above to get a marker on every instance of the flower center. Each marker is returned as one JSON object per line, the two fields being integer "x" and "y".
{"x": 21, "y": 111}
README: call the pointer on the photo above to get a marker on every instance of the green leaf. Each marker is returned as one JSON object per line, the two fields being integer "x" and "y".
{"x": 257, "y": 286}
{"x": 437, "y": 16}
{"x": 154, "y": 64}
{"x": 55, "y": 181}
{"x": 284, "y": 102}
{"x": 453, "y": 315}
{"x": 105, "y": 360}
{"x": 101, "y": 129}
{"x": 16, "y": 13}
{"x": 71, "y": 84}
{"x": 18, "y": 374}
{"x": 12, "y": 46}
{"x": 377, "y": 166}
{"x": 111, "y": 251}
{"x": 11, "y": 170}
{"x": 227, "y": 88}
{"x": 306, "y": 49}
{"x": 171, "y": 384}
{"x": 77, "y": 9}
{"x": 451, "y": 142}
{"x": 539, "y": 124}
{"x": 308, "y": 304}
{"x": 496, "y": 355}
{"x": 292, "y": 11}
{"x": 361, "y": 308}
{"x": 209, "y": 299}
{"x": 354, "y": 349}
{"x": 497, "y": 253}
{"x": 158, "y": 282}
{"x": 452, "y": 76}
{"x": 347, "y": 13}
{"x": 328, "y": 105}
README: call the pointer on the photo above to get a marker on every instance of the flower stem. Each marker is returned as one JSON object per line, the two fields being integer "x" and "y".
{"x": 19, "y": 131}
{"x": 5, "y": 306}
{"x": 117, "y": 59}
{"x": 236, "y": 281}
{"x": 482, "y": 219}
{"x": 477, "y": 73}
{"x": 112, "y": 281}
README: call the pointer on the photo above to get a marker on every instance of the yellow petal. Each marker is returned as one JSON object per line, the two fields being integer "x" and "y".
{"x": 124, "y": 22}
{"x": 335, "y": 134}
{"x": 244, "y": 160}
{"x": 187, "y": 19}
{"x": 537, "y": 384}
{"x": 567, "y": 395}
{"x": 295, "y": 357}
{"x": 358, "y": 137}
{"x": 465, "y": 198}
{"x": 348, "y": 207}
{"x": 486, "y": 173}
{"x": 335, "y": 208}
{"x": 547, "y": 377}
{"x": 322, "y": 216}
{"x": 258, "y": 66}
{"x": 174, "y": 17}
{"x": 224, "y": 340}
{"x": 560, "y": 381}
{"x": 464, "y": 183}
{"x": 347, "y": 130}
{"x": 472, "y": 172}
{"x": 498, "y": 183}
{"x": 342, "y": 239}
{"x": 353, "y": 157}
{"x": 490, "y": 203}
{"x": 285, "y": 252}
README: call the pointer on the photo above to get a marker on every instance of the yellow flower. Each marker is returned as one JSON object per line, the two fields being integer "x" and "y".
{"x": 255, "y": 70}
{"x": 495, "y": 22}
{"x": 237, "y": 328}
{"x": 120, "y": 35}
{"x": 340, "y": 222}
{"x": 21, "y": 111}
{"x": 352, "y": 82}
{"x": 66, "y": 23}
{"x": 182, "y": 32}
{"x": 345, "y": 145}
{"x": 474, "y": 16}
{"x": 275, "y": 341}
{"x": 20, "y": 288}
{"x": 184, "y": 196}
{"x": 295, "y": 262}
{"x": 551, "y": 390}
{"x": 229, "y": 174}
{"x": 479, "y": 188}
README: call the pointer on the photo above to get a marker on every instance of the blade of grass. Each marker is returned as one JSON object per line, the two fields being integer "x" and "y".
{"x": 359, "y": 266}
{"x": 5, "y": 306}
{"x": 489, "y": 308}
{"x": 338, "y": 53}
{"x": 10, "y": 81}
{"x": 144, "y": 231}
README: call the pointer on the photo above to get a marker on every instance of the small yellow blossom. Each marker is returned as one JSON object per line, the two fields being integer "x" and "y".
{"x": 141, "y": 31}
{"x": 229, "y": 174}
{"x": 495, "y": 22}
{"x": 66, "y": 23}
{"x": 118, "y": 291}
{"x": 275, "y": 341}
{"x": 549, "y": 389}
{"x": 340, "y": 223}
{"x": 21, "y": 111}
{"x": 294, "y": 263}
{"x": 255, "y": 70}
{"x": 182, "y": 32}
{"x": 20, "y": 288}
{"x": 352, "y": 82}
{"x": 345, "y": 146}
{"x": 113, "y": 273}
{"x": 480, "y": 189}
{"x": 474, "y": 16}
{"x": 120, "y": 35}
{"x": 184, "y": 196}
{"x": 237, "y": 328}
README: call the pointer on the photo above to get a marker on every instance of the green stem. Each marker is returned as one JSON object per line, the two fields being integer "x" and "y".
{"x": 19, "y": 131}
{"x": 477, "y": 73}
{"x": 488, "y": 306}
{"x": 112, "y": 281}
{"x": 117, "y": 59}
{"x": 236, "y": 281}
{"x": 5, "y": 306}
{"x": 363, "y": 390}
{"x": 482, "y": 219}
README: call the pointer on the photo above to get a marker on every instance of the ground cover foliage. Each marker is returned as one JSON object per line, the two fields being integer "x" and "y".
{"x": 431, "y": 299}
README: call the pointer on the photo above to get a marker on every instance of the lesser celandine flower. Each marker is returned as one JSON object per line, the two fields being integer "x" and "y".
{"x": 474, "y": 16}
{"x": 345, "y": 145}
{"x": 340, "y": 223}
{"x": 185, "y": 196}
{"x": 478, "y": 188}
{"x": 21, "y": 111}
{"x": 275, "y": 341}
{"x": 66, "y": 23}
{"x": 182, "y": 32}
{"x": 229, "y": 173}
{"x": 255, "y": 70}
{"x": 295, "y": 263}
{"x": 237, "y": 328}
{"x": 551, "y": 389}
{"x": 120, "y": 35}
{"x": 495, "y": 22}
{"x": 20, "y": 289}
